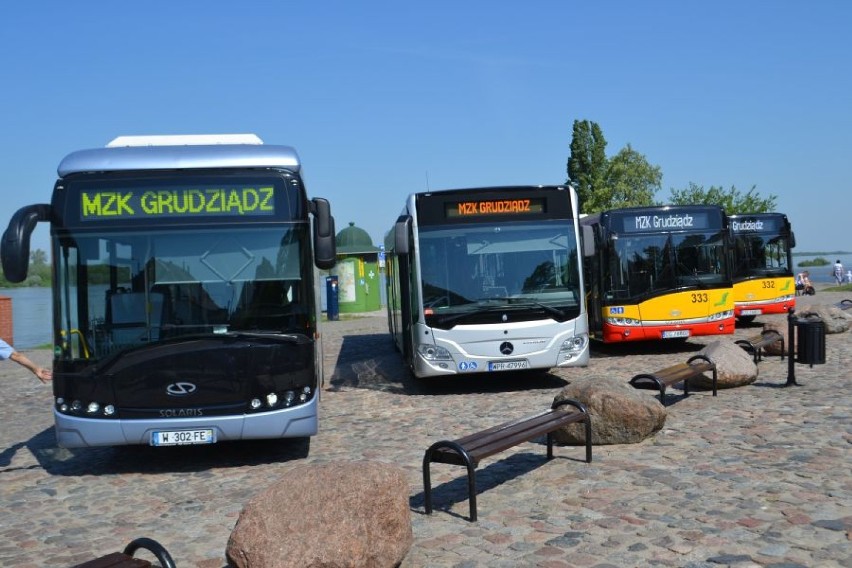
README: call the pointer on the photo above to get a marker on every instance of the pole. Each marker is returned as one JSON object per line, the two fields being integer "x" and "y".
{"x": 791, "y": 347}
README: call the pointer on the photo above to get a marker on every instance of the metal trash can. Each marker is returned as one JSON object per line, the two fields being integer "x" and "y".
{"x": 810, "y": 341}
{"x": 332, "y": 303}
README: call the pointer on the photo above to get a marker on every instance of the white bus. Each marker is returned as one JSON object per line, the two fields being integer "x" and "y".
{"x": 185, "y": 305}
{"x": 487, "y": 280}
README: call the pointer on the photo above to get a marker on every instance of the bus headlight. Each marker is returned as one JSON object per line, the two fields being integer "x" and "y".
{"x": 721, "y": 315}
{"x": 433, "y": 353}
{"x": 629, "y": 322}
{"x": 571, "y": 348}
{"x": 89, "y": 408}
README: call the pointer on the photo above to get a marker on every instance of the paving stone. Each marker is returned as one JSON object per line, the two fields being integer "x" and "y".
{"x": 758, "y": 475}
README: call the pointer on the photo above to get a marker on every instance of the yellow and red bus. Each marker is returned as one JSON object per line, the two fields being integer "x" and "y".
{"x": 658, "y": 272}
{"x": 762, "y": 249}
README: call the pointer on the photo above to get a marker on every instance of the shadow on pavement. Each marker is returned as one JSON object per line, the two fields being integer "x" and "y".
{"x": 447, "y": 494}
{"x": 146, "y": 459}
{"x": 668, "y": 346}
{"x": 370, "y": 362}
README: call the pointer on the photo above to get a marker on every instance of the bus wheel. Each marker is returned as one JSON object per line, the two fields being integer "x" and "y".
{"x": 746, "y": 319}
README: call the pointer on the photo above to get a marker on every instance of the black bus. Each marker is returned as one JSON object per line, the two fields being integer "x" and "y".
{"x": 184, "y": 299}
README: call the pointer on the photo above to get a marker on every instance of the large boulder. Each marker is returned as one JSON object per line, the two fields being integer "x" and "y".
{"x": 734, "y": 366}
{"x": 332, "y": 515}
{"x": 620, "y": 414}
{"x": 836, "y": 320}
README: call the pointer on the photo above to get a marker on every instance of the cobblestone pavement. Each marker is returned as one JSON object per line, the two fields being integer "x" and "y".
{"x": 758, "y": 476}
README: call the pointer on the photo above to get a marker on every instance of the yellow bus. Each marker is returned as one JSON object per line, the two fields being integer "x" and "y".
{"x": 658, "y": 273}
{"x": 762, "y": 249}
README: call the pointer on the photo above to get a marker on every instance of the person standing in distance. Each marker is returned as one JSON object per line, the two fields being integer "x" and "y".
{"x": 838, "y": 272}
{"x": 8, "y": 352}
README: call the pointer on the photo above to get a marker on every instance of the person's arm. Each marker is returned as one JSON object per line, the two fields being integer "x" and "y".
{"x": 44, "y": 375}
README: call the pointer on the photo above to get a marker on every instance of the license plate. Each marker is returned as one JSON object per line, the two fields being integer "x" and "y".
{"x": 508, "y": 365}
{"x": 751, "y": 312}
{"x": 676, "y": 333}
{"x": 183, "y": 437}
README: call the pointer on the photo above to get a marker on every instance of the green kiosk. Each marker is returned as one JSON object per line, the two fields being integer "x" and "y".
{"x": 359, "y": 282}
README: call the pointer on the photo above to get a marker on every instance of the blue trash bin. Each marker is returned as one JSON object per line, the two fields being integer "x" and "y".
{"x": 332, "y": 305}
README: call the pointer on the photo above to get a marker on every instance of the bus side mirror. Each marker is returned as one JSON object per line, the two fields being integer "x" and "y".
{"x": 15, "y": 247}
{"x": 325, "y": 246}
{"x": 400, "y": 234}
{"x": 588, "y": 238}
{"x": 792, "y": 240}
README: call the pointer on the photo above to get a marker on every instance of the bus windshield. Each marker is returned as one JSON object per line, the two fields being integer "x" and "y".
{"x": 528, "y": 265}
{"x": 641, "y": 265}
{"x": 761, "y": 255}
{"x": 124, "y": 289}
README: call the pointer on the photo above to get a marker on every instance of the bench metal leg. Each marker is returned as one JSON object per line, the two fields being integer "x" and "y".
{"x": 152, "y": 546}
{"x": 706, "y": 360}
{"x": 647, "y": 381}
{"x": 587, "y": 421}
{"x": 471, "y": 475}
{"x": 749, "y": 348}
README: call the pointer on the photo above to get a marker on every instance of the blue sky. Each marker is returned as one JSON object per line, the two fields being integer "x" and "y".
{"x": 382, "y": 99}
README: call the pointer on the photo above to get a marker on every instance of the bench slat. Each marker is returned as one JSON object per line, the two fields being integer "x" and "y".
{"x": 499, "y": 438}
{"x": 115, "y": 560}
{"x": 681, "y": 371}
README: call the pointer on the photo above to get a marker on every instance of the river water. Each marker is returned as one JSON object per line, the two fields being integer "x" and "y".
{"x": 31, "y": 307}
{"x": 825, "y": 273}
{"x": 31, "y": 316}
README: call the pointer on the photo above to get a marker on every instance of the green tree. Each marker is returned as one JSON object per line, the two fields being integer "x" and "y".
{"x": 587, "y": 163}
{"x": 38, "y": 258}
{"x": 733, "y": 201}
{"x": 625, "y": 180}
{"x": 630, "y": 180}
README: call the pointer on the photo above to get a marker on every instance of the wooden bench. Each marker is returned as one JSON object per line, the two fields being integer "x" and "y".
{"x": 756, "y": 343}
{"x": 843, "y": 304}
{"x": 470, "y": 450}
{"x": 126, "y": 560}
{"x": 680, "y": 373}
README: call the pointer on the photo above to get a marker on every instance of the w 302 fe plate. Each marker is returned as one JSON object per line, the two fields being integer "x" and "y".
{"x": 183, "y": 437}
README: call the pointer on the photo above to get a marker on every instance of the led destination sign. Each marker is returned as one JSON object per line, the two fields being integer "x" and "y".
{"x": 507, "y": 207}
{"x": 183, "y": 202}
{"x": 664, "y": 222}
{"x": 755, "y": 225}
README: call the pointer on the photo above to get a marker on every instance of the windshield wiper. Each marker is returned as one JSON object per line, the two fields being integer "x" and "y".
{"x": 552, "y": 310}
{"x": 510, "y": 305}
{"x": 453, "y": 318}
{"x": 520, "y": 302}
